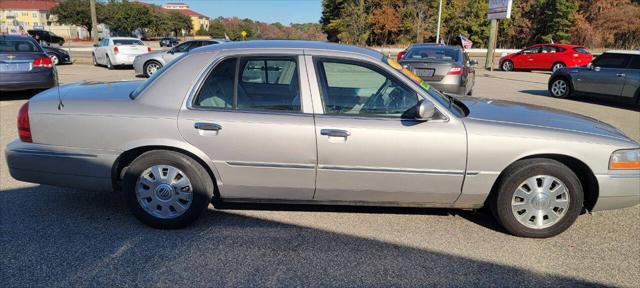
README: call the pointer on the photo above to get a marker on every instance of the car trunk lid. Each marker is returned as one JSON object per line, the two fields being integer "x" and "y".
{"x": 132, "y": 49}
{"x": 428, "y": 70}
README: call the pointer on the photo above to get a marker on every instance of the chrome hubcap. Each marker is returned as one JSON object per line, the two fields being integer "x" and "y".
{"x": 54, "y": 59}
{"x": 164, "y": 191}
{"x": 557, "y": 66}
{"x": 152, "y": 68}
{"x": 559, "y": 87}
{"x": 540, "y": 202}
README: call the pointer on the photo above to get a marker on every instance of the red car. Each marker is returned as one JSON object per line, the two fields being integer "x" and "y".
{"x": 546, "y": 57}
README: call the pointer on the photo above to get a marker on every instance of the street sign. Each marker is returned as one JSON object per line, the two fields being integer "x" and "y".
{"x": 499, "y": 9}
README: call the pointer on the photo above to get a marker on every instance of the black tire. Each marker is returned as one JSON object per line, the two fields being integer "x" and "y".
{"x": 470, "y": 93}
{"x": 556, "y": 91}
{"x": 508, "y": 67}
{"x": 522, "y": 170}
{"x": 201, "y": 182}
{"x": 146, "y": 65}
{"x": 109, "y": 65}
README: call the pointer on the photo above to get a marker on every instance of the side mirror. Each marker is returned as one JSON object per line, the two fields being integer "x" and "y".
{"x": 95, "y": 45}
{"x": 473, "y": 62}
{"x": 425, "y": 110}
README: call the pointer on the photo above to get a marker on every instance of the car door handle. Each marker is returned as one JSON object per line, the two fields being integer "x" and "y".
{"x": 207, "y": 126}
{"x": 335, "y": 132}
{"x": 621, "y": 75}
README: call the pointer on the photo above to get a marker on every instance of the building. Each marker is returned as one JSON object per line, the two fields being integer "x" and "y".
{"x": 23, "y": 15}
{"x": 198, "y": 20}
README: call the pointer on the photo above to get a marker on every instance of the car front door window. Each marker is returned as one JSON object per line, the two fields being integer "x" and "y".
{"x": 351, "y": 88}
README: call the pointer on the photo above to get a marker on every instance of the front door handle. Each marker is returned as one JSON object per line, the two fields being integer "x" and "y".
{"x": 207, "y": 126}
{"x": 335, "y": 132}
{"x": 621, "y": 75}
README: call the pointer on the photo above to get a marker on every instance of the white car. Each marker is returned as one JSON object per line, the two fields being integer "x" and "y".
{"x": 118, "y": 51}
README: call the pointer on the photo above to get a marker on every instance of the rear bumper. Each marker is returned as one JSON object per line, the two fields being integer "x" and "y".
{"x": 617, "y": 191}
{"x": 61, "y": 166}
{"x": 27, "y": 81}
{"x": 123, "y": 59}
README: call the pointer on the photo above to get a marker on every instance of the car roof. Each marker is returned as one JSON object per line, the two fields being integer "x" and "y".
{"x": 290, "y": 44}
{"x": 17, "y": 37}
{"x": 122, "y": 38}
{"x": 452, "y": 47}
{"x": 633, "y": 52}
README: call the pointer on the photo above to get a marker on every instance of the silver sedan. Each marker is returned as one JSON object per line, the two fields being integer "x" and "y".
{"x": 319, "y": 123}
{"x": 149, "y": 63}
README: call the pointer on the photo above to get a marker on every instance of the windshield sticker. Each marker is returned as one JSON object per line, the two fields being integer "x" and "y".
{"x": 406, "y": 72}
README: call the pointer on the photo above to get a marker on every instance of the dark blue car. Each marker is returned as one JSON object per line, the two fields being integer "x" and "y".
{"x": 24, "y": 65}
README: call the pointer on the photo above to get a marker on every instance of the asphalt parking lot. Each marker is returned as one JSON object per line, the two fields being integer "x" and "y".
{"x": 56, "y": 237}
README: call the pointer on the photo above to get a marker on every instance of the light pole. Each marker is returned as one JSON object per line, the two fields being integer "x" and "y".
{"x": 94, "y": 20}
{"x": 439, "y": 18}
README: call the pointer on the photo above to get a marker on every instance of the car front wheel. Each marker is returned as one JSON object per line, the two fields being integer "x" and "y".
{"x": 507, "y": 65}
{"x": 166, "y": 189}
{"x": 109, "y": 65}
{"x": 151, "y": 67}
{"x": 538, "y": 198}
{"x": 559, "y": 88}
{"x": 557, "y": 66}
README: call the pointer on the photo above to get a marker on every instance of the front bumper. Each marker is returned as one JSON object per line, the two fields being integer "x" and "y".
{"x": 61, "y": 166}
{"x": 617, "y": 191}
{"x": 44, "y": 79}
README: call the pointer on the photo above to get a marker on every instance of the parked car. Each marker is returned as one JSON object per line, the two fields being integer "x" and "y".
{"x": 546, "y": 57}
{"x": 446, "y": 68}
{"x": 118, "y": 51}
{"x": 319, "y": 123}
{"x": 614, "y": 73}
{"x": 401, "y": 53}
{"x": 46, "y": 37}
{"x": 58, "y": 55}
{"x": 169, "y": 42}
{"x": 24, "y": 65}
{"x": 147, "y": 64}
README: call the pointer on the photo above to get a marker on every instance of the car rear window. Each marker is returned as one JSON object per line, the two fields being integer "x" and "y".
{"x": 127, "y": 42}
{"x": 581, "y": 50}
{"x": 432, "y": 53}
{"x": 18, "y": 46}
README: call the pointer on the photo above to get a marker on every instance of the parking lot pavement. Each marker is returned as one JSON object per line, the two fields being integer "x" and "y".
{"x": 63, "y": 237}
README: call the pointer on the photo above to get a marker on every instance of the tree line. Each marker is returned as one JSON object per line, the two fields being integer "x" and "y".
{"x": 593, "y": 23}
{"x": 233, "y": 27}
{"x": 122, "y": 17}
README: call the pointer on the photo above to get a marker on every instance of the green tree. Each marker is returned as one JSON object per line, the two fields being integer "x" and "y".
{"x": 556, "y": 19}
{"x": 76, "y": 12}
{"x": 123, "y": 16}
{"x": 354, "y": 25}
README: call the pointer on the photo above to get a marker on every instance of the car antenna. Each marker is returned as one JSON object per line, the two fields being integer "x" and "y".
{"x": 60, "y": 104}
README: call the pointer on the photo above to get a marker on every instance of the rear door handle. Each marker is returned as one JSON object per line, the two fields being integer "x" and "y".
{"x": 207, "y": 126}
{"x": 335, "y": 132}
{"x": 621, "y": 75}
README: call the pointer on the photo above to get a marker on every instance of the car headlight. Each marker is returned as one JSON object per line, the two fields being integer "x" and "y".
{"x": 625, "y": 159}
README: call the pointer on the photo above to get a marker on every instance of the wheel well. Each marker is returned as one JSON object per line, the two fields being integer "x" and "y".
{"x": 584, "y": 173}
{"x": 149, "y": 61}
{"x": 126, "y": 158}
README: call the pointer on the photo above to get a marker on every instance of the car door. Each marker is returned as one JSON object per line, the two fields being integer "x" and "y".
{"x": 606, "y": 75}
{"x": 546, "y": 58}
{"x": 631, "y": 78}
{"x": 100, "y": 51}
{"x": 260, "y": 136}
{"x": 369, "y": 152}
{"x": 532, "y": 57}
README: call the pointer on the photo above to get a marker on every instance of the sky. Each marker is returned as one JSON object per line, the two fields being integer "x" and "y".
{"x": 270, "y": 11}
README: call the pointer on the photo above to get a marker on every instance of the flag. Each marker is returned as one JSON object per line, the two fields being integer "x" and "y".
{"x": 226, "y": 37}
{"x": 465, "y": 42}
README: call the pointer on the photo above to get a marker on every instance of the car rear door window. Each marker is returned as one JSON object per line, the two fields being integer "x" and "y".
{"x": 269, "y": 84}
{"x": 217, "y": 89}
{"x": 352, "y": 88}
{"x": 635, "y": 62}
{"x": 612, "y": 60}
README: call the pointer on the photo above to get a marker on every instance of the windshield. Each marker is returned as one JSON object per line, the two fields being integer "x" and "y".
{"x": 127, "y": 42}
{"x": 154, "y": 76}
{"x": 432, "y": 53}
{"x": 442, "y": 99}
{"x": 18, "y": 46}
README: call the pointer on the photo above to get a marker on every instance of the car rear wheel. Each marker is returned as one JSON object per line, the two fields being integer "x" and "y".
{"x": 166, "y": 189}
{"x": 507, "y": 65}
{"x": 537, "y": 198}
{"x": 54, "y": 59}
{"x": 557, "y": 66}
{"x": 109, "y": 65}
{"x": 151, "y": 67}
{"x": 560, "y": 88}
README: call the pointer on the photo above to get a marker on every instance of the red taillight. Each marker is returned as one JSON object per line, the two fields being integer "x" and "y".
{"x": 115, "y": 50}
{"x": 43, "y": 62}
{"x": 455, "y": 70}
{"x": 401, "y": 54}
{"x": 24, "y": 129}
{"x": 148, "y": 49}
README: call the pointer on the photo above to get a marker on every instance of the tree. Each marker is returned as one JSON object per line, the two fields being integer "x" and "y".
{"x": 330, "y": 20}
{"x": 354, "y": 23}
{"x": 556, "y": 19}
{"x": 385, "y": 21}
{"x": 76, "y": 12}
{"x": 126, "y": 17}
